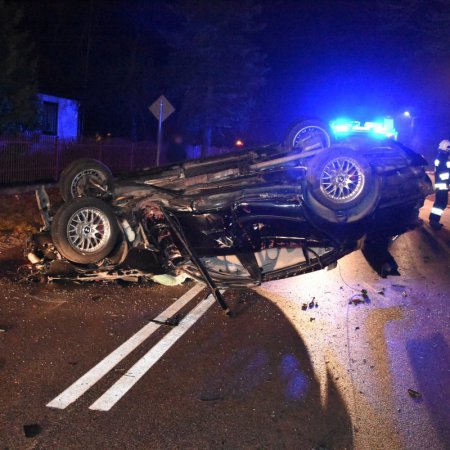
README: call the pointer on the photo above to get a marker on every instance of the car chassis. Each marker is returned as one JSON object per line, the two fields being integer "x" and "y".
{"x": 239, "y": 219}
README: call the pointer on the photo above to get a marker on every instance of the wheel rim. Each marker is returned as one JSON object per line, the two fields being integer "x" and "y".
{"x": 311, "y": 138}
{"x": 87, "y": 180}
{"x": 88, "y": 230}
{"x": 342, "y": 179}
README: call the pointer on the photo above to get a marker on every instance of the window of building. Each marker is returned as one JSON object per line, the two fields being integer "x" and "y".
{"x": 50, "y": 118}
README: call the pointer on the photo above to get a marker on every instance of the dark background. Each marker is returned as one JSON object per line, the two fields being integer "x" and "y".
{"x": 363, "y": 59}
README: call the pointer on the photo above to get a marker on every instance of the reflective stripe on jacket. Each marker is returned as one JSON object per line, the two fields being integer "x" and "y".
{"x": 442, "y": 170}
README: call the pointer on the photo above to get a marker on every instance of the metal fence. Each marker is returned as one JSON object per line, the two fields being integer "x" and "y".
{"x": 28, "y": 159}
{"x": 42, "y": 158}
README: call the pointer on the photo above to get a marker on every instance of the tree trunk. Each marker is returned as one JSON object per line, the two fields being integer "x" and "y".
{"x": 87, "y": 54}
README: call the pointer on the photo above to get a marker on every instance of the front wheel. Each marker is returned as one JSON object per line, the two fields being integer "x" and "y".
{"x": 340, "y": 185}
{"x": 85, "y": 230}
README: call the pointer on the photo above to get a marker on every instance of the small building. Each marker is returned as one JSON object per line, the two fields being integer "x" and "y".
{"x": 59, "y": 116}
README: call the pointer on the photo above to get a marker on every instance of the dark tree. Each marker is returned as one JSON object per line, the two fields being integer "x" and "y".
{"x": 215, "y": 68}
{"x": 418, "y": 33}
{"x": 18, "y": 86}
{"x": 424, "y": 24}
{"x": 125, "y": 75}
{"x": 100, "y": 53}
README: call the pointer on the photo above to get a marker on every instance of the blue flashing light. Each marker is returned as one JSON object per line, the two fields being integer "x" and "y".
{"x": 343, "y": 127}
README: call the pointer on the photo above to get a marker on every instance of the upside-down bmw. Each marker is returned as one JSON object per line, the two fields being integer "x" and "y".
{"x": 239, "y": 219}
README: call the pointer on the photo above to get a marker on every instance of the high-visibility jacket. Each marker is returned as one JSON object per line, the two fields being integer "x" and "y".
{"x": 442, "y": 171}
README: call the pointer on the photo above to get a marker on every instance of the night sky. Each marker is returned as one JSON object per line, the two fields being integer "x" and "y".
{"x": 326, "y": 58}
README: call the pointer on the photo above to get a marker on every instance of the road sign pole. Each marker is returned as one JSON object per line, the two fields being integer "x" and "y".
{"x": 161, "y": 114}
{"x": 161, "y": 110}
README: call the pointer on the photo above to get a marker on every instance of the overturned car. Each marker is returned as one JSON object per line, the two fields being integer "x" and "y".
{"x": 238, "y": 219}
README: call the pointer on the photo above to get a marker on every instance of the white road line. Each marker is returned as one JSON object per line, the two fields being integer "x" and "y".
{"x": 80, "y": 386}
{"x": 128, "y": 380}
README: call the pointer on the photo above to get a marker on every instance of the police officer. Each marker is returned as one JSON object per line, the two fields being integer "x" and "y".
{"x": 441, "y": 183}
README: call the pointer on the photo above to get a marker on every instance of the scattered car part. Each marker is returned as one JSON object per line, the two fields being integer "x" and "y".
{"x": 32, "y": 430}
{"x": 43, "y": 202}
{"x": 178, "y": 230}
{"x": 414, "y": 394}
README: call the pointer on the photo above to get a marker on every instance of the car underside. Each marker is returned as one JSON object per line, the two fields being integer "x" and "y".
{"x": 238, "y": 219}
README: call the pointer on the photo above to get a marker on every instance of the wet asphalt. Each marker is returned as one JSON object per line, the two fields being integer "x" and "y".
{"x": 307, "y": 363}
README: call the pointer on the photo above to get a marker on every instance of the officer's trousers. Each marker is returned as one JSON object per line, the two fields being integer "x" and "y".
{"x": 439, "y": 205}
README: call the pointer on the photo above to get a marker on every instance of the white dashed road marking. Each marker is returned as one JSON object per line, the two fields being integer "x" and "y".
{"x": 79, "y": 387}
{"x": 128, "y": 380}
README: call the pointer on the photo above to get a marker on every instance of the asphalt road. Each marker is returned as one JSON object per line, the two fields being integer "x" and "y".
{"x": 332, "y": 376}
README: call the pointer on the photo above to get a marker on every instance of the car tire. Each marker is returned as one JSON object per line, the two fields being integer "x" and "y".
{"x": 85, "y": 230}
{"x": 308, "y": 134}
{"x": 340, "y": 185}
{"x": 86, "y": 177}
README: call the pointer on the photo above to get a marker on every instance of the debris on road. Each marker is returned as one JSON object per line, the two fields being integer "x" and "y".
{"x": 356, "y": 300}
{"x": 362, "y": 297}
{"x": 311, "y": 319}
{"x": 210, "y": 398}
{"x": 169, "y": 280}
{"x": 32, "y": 430}
{"x": 310, "y": 305}
{"x": 414, "y": 394}
{"x": 398, "y": 287}
{"x": 171, "y": 321}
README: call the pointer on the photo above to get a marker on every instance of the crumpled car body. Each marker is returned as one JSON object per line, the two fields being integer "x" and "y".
{"x": 239, "y": 219}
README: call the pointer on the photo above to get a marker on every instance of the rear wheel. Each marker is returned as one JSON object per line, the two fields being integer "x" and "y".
{"x": 85, "y": 230}
{"x": 85, "y": 177}
{"x": 308, "y": 135}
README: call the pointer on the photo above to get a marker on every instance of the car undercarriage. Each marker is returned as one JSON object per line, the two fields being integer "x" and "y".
{"x": 238, "y": 219}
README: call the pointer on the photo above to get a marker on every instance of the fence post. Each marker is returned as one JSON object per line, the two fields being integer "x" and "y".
{"x": 57, "y": 158}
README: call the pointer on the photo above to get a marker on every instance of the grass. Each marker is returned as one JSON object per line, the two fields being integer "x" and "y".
{"x": 19, "y": 214}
